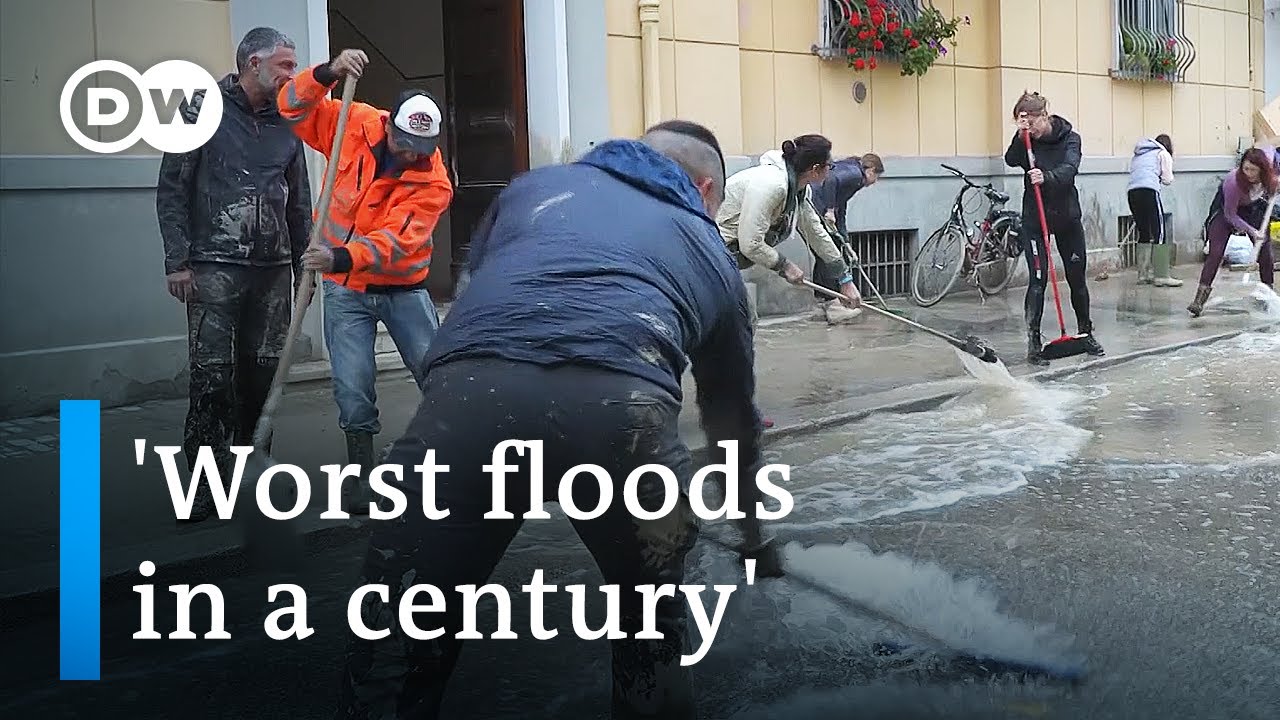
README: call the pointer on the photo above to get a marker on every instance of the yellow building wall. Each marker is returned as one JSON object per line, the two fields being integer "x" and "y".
{"x": 745, "y": 68}
{"x": 42, "y": 42}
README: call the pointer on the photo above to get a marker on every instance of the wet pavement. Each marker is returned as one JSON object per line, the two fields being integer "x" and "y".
{"x": 1125, "y": 514}
{"x": 1135, "y": 532}
{"x": 807, "y": 371}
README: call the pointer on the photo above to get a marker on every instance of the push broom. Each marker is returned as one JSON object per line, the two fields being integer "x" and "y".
{"x": 972, "y": 345}
{"x": 276, "y": 544}
{"x": 1067, "y": 345}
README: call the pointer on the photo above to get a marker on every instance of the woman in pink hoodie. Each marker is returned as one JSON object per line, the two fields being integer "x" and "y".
{"x": 1238, "y": 208}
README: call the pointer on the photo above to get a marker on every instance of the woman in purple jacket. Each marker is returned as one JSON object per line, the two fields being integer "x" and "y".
{"x": 1238, "y": 209}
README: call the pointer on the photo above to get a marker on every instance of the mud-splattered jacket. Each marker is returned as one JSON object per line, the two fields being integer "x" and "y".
{"x": 243, "y": 197}
{"x": 612, "y": 262}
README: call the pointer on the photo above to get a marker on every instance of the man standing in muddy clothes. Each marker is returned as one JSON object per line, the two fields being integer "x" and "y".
{"x": 235, "y": 215}
{"x": 575, "y": 332}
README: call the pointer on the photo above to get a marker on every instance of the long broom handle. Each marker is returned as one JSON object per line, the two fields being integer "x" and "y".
{"x": 307, "y": 286}
{"x": 1044, "y": 230}
{"x": 837, "y": 296}
{"x": 1264, "y": 230}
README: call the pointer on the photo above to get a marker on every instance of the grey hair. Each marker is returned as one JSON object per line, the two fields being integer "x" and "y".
{"x": 695, "y": 157}
{"x": 259, "y": 42}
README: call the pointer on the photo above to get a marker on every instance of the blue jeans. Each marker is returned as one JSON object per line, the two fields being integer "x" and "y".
{"x": 350, "y": 329}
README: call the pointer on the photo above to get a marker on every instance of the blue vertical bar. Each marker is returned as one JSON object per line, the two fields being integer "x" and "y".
{"x": 79, "y": 541}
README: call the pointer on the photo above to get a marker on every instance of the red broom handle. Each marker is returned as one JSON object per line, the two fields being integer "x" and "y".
{"x": 1044, "y": 232}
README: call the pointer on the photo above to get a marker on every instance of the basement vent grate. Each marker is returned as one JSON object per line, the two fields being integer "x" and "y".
{"x": 885, "y": 256}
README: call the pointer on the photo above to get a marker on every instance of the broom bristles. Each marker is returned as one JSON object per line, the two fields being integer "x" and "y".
{"x": 1065, "y": 347}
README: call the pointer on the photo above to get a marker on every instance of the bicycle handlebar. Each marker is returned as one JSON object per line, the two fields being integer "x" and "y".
{"x": 966, "y": 179}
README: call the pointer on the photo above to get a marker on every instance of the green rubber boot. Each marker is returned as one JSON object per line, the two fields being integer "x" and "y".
{"x": 1162, "y": 255}
{"x": 1145, "y": 273}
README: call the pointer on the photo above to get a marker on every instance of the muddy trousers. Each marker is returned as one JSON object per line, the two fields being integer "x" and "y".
{"x": 581, "y": 415}
{"x": 1069, "y": 234}
{"x": 1218, "y": 231}
{"x": 236, "y": 327}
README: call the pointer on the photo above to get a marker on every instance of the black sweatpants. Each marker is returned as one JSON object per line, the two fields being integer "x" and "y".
{"x": 1148, "y": 215}
{"x": 1069, "y": 234}
{"x": 236, "y": 327}
{"x": 582, "y": 415}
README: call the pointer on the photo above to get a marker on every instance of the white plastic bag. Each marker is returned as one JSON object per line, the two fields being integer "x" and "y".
{"x": 1239, "y": 250}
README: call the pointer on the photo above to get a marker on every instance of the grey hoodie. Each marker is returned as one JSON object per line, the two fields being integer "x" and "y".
{"x": 1151, "y": 167}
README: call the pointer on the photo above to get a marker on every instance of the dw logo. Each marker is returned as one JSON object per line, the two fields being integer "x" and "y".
{"x": 163, "y": 88}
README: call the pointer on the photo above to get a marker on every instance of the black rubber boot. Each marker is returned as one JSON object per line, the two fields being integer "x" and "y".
{"x": 1034, "y": 345}
{"x": 357, "y": 495}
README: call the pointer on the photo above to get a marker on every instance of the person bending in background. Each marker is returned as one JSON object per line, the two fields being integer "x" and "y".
{"x": 1150, "y": 169}
{"x": 1238, "y": 207}
{"x": 831, "y": 201}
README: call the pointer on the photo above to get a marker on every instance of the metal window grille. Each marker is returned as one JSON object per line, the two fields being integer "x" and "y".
{"x": 1128, "y": 234}
{"x": 833, "y": 22}
{"x": 1150, "y": 41}
{"x": 885, "y": 256}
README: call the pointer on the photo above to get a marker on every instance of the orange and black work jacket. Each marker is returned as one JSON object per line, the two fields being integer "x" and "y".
{"x": 380, "y": 218}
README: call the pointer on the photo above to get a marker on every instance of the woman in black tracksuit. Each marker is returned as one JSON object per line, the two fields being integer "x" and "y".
{"x": 1056, "y": 149}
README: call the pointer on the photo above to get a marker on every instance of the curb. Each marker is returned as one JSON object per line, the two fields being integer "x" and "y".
{"x": 233, "y": 560}
{"x": 1104, "y": 362}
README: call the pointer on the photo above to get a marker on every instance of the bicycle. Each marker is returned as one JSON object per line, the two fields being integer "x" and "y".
{"x": 985, "y": 258}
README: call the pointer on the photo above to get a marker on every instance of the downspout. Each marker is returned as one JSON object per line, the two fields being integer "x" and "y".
{"x": 650, "y": 62}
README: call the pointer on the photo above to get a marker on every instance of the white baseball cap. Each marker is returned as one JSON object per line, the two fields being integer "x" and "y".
{"x": 416, "y": 122}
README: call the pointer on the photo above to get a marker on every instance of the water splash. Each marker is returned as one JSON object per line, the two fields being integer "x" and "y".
{"x": 798, "y": 633}
{"x": 983, "y": 443}
{"x": 1265, "y": 302}
{"x": 960, "y": 612}
{"x": 987, "y": 373}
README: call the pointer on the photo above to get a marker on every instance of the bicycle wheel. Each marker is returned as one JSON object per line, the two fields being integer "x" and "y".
{"x": 996, "y": 268}
{"x": 937, "y": 265}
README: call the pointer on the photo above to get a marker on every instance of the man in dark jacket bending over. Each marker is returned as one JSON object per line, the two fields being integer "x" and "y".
{"x": 831, "y": 200}
{"x": 591, "y": 283}
{"x": 1056, "y": 148}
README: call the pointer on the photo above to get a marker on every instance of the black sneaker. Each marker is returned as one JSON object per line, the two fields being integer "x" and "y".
{"x": 1094, "y": 348}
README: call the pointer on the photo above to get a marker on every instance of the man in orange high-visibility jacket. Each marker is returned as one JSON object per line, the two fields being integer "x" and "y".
{"x": 390, "y": 190}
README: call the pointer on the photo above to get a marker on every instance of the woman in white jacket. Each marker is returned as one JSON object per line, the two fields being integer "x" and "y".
{"x": 764, "y": 204}
{"x": 1151, "y": 169}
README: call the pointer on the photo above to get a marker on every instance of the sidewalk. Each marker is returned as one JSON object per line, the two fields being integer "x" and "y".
{"x": 809, "y": 375}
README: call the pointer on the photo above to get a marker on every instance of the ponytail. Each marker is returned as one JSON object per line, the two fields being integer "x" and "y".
{"x": 806, "y": 151}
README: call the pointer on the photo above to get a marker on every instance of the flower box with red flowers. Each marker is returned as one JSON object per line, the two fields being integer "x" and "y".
{"x": 875, "y": 31}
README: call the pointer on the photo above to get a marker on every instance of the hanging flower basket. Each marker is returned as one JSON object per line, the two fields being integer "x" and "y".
{"x": 873, "y": 32}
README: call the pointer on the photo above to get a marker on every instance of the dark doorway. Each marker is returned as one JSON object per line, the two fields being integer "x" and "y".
{"x": 488, "y": 117}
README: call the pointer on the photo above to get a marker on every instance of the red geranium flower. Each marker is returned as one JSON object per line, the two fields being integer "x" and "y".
{"x": 873, "y": 63}
{"x": 892, "y": 26}
{"x": 860, "y": 63}
{"x": 878, "y": 45}
{"x": 906, "y": 32}
{"x": 915, "y": 43}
